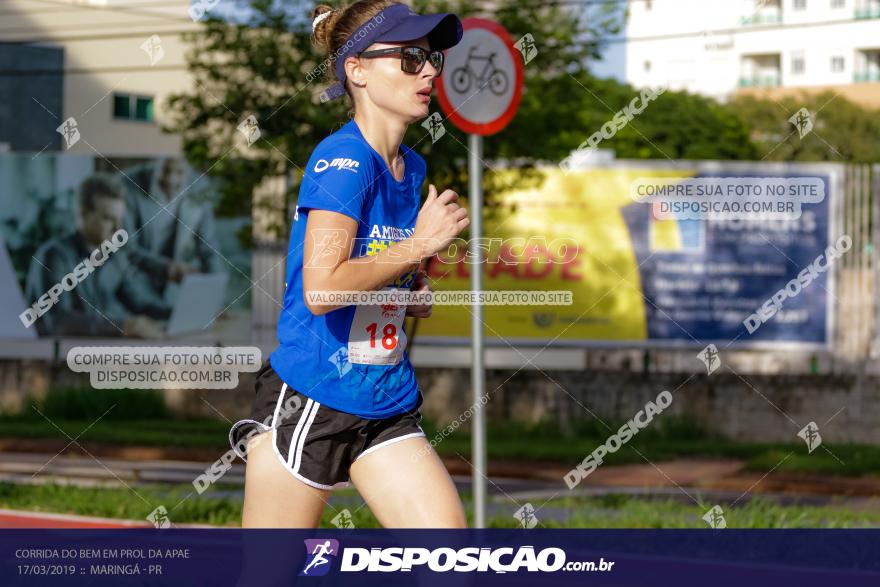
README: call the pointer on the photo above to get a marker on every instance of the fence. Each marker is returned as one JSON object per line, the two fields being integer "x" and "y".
{"x": 854, "y": 303}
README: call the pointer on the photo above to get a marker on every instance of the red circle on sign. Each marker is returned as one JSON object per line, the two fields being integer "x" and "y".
{"x": 494, "y": 126}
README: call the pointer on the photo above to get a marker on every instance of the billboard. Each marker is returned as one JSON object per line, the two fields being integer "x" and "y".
{"x": 639, "y": 278}
{"x": 109, "y": 248}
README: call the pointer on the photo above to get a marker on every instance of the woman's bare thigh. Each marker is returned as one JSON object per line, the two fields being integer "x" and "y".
{"x": 273, "y": 497}
{"x": 406, "y": 485}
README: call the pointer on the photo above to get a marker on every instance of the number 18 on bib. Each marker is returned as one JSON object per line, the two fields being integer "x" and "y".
{"x": 377, "y": 336}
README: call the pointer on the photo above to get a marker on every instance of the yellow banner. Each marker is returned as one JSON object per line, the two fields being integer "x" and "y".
{"x": 569, "y": 234}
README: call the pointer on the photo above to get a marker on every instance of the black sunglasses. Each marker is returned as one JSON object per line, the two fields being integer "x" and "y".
{"x": 412, "y": 58}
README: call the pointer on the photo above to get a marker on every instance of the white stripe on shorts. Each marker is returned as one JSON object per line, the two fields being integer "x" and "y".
{"x": 302, "y": 439}
{"x": 299, "y": 426}
{"x": 278, "y": 405}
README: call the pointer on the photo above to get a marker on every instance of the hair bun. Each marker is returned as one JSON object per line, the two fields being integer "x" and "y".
{"x": 321, "y": 17}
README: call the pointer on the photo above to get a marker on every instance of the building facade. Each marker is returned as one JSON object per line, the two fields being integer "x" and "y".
{"x": 720, "y": 48}
{"x": 121, "y": 59}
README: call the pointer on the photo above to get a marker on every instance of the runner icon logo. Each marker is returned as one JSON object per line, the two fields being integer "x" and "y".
{"x": 319, "y": 554}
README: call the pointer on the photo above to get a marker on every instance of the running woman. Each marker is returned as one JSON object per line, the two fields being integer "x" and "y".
{"x": 337, "y": 402}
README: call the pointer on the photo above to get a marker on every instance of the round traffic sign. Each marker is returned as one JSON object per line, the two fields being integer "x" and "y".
{"x": 481, "y": 84}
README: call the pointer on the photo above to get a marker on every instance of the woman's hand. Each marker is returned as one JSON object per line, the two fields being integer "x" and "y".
{"x": 440, "y": 220}
{"x": 420, "y": 284}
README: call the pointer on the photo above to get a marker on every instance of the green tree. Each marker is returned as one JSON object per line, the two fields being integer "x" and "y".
{"x": 676, "y": 125}
{"x": 842, "y": 131}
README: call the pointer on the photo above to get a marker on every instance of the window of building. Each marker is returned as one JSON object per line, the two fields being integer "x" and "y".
{"x": 838, "y": 63}
{"x": 800, "y": 4}
{"x": 838, "y": 3}
{"x": 798, "y": 64}
{"x": 867, "y": 9}
{"x": 131, "y": 107}
{"x": 647, "y": 66}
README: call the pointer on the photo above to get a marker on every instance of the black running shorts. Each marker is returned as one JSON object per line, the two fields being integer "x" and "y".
{"x": 314, "y": 442}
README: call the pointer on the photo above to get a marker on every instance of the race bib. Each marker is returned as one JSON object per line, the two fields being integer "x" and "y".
{"x": 376, "y": 336}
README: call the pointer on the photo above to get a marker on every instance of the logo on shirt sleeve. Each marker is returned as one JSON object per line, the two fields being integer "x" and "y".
{"x": 341, "y": 163}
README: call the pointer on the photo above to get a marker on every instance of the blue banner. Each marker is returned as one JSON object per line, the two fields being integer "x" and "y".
{"x": 217, "y": 557}
{"x": 736, "y": 279}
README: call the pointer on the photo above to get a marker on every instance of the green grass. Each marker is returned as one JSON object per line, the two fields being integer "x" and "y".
{"x": 612, "y": 511}
{"x": 124, "y": 503}
{"x": 140, "y": 418}
{"x": 149, "y": 432}
{"x": 88, "y": 403}
{"x": 679, "y": 439}
{"x": 856, "y": 459}
{"x": 622, "y": 511}
{"x": 509, "y": 441}
{"x": 671, "y": 438}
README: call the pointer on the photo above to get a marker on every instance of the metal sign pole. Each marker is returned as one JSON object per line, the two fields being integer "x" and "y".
{"x": 478, "y": 372}
{"x": 479, "y": 117}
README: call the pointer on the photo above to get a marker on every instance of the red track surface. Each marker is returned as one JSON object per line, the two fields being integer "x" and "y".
{"x": 17, "y": 519}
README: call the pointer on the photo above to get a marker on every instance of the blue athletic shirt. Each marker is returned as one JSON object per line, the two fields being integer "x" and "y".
{"x": 352, "y": 359}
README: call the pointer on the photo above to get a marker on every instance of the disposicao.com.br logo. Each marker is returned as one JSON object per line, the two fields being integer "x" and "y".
{"x": 441, "y": 560}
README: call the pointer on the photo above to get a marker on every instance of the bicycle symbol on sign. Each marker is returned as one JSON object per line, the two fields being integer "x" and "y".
{"x": 491, "y": 75}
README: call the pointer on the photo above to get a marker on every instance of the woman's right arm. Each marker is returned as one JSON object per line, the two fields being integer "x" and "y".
{"x": 330, "y": 236}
